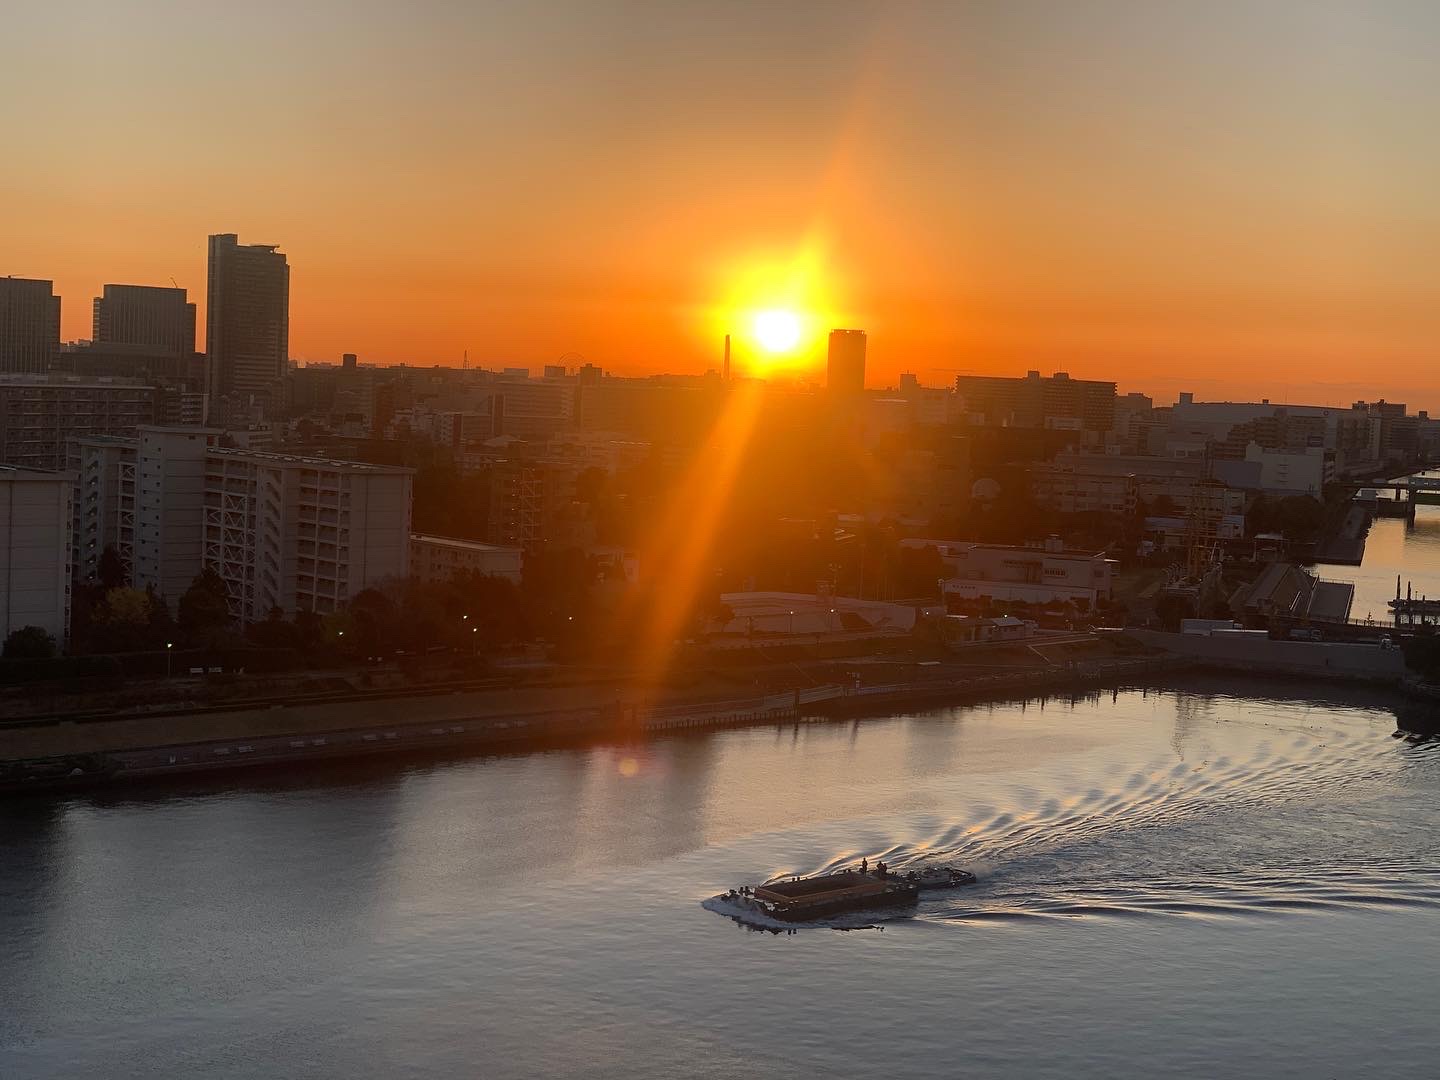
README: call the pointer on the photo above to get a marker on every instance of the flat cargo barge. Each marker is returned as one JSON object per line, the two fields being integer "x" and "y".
{"x": 862, "y": 888}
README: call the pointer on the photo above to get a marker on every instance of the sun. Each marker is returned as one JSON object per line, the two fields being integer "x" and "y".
{"x": 777, "y": 330}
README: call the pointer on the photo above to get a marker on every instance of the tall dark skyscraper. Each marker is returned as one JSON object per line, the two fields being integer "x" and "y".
{"x": 845, "y": 370}
{"x": 29, "y": 325}
{"x": 159, "y": 319}
{"x": 247, "y": 321}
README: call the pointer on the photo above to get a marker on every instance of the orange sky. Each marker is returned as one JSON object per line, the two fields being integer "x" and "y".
{"x": 1232, "y": 198}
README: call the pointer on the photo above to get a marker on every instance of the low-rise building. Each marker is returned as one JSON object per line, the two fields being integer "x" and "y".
{"x": 955, "y": 630}
{"x": 1078, "y": 491}
{"x": 36, "y": 523}
{"x": 440, "y": 558}
{"x": 1170, "y": 533}
{"x": 1040, "y": 576}
{"x": 1285, "y": 590}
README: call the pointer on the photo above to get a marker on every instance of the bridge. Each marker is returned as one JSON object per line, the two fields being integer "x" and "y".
{"x": 1408, "y": 491}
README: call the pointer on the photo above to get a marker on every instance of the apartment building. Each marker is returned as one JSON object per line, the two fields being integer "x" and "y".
{"x": 42, "y": 416}
{"x": 1057, "y": 401}
{"x": 104, "y": 503}
{"x": 302, "y": 534}
{"x": 297, "y": 533}
{"x": 36, "y": 523}
{"x": 29, "y": 325}
{"x": 440, "y": 558}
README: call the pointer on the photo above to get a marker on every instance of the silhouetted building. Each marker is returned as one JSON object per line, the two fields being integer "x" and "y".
{"x": 41, "y": 416}
{"x": 29, "y": 325}
{"x": 160, "y": 319}
{"x": 37, "y": 508}
{"x": 1036, "y": 402}
{"x": 145, "y": 363}
{"x": 845, "y": 366}
{"x": 247, "y": 322}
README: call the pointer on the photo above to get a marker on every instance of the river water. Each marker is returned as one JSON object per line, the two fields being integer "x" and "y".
{"x": 1212, "y": 880}
{"x": 1394, "y": 549}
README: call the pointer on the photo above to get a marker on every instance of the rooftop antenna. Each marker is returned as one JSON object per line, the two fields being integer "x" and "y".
{"x": 174, "y": 282}
{"x": 727, "y": 357}
{"x": 465, "y": 360}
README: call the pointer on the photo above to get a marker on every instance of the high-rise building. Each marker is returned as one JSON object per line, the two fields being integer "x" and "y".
{"x": 247, "y": 321}
{"x": 160, "y": 319}
{"x": 36, "y": 519}
{"x": 29, "y": 325}
{"x": 41, "y": 416}
{"x": 1039, "y": 402}
{"x": 845, "y": 368}
{"x": 297, "y": 533}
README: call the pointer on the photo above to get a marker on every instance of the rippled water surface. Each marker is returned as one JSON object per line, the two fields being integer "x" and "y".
{"x": 1197, "y": 882}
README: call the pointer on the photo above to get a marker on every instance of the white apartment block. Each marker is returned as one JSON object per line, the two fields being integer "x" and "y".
{"x": 104, "y": 503}
{"x": 302, "y": 534}
{"x": 297, "y": 533}
{"x": 170, "y": 497}
{"x": 36, "y": 523}
{"x": 1293, "y": 473}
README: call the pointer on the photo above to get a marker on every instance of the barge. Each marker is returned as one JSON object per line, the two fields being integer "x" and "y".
{"x": 862, "y": 888}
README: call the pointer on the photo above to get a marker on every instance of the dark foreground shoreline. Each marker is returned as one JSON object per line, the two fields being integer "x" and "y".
{"x": 294, "y": 751}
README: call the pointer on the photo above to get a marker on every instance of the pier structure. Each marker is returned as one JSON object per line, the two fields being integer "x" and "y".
{"x": 1412, "y": 610}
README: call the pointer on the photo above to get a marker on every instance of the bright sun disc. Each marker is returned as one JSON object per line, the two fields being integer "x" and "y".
{"x": 777, "y": 331}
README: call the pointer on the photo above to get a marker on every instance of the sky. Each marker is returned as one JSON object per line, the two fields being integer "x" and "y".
{"x": 1237, "y": 199}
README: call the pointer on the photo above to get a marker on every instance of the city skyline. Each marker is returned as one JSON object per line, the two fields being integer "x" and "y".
{"x": 1230, "y": 200}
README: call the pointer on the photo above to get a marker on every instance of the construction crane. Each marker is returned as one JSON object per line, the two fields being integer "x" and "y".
{"x": 1202, "y": 520}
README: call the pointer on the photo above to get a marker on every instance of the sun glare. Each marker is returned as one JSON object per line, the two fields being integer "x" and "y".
{"x": 777, "y": 330}
{"x": 775, "y": 306}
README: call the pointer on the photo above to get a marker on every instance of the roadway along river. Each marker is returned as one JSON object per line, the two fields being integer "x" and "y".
{"x": 1184, "y": 883}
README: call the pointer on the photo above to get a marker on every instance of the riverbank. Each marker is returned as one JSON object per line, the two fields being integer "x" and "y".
{"x": 103, "y": 750}
{"x": 1344, "y": 544}
{"x": 67, "y": 754}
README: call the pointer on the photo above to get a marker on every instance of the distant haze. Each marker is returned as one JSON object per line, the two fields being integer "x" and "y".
{"x": 1235, "y": 198}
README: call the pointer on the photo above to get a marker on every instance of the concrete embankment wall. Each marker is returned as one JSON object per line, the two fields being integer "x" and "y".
{"x": 159, "y": 729}
{"x": 1001, "y": 686}
{"x": 1323, "y": 659}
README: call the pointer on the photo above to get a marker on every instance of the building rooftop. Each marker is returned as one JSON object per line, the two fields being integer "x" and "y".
{"x": 271, "y": 457}
{"x": 455, "y": 542}
{"x": 943, "y": 546}
{"x": 19, "y": 474}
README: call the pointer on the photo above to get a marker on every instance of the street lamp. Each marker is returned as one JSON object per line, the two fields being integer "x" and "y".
{"x": 169, "y": 645}
{"x": 474, "y": 641}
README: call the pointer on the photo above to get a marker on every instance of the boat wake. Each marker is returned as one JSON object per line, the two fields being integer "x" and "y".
{"x": 1203, "y": 839}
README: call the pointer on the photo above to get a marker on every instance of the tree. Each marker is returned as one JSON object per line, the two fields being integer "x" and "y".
{"x": 204, "y": 609}
{"x": 1171, "y": 609}
{"x": 29, "y": 643}
{"x": 111, "y": 571}
{"x": 122, "y": 620}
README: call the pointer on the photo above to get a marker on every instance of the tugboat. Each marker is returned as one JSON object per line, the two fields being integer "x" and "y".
{"x": 802, "y": 899}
